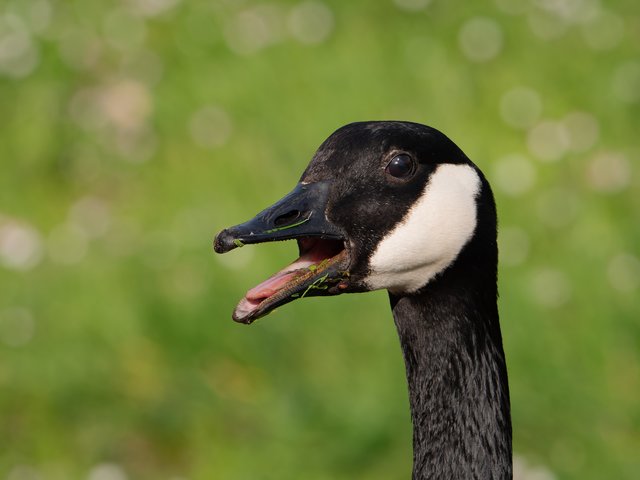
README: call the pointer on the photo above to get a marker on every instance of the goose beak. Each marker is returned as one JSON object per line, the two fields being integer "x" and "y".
{"x": 298, "y": 214}
{"x": 322, "y": 267}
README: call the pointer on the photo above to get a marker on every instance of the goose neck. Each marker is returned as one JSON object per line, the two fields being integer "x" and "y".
{"x": 458, "y": 389}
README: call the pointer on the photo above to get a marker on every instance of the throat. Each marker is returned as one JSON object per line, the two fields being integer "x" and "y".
{"x": 457, "y": 379}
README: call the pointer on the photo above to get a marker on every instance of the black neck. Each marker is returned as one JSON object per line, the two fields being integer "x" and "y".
{"x": 458, "y": 390}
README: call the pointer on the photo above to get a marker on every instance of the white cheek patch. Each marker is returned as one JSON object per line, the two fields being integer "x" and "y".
{"x": 432, "y": 233}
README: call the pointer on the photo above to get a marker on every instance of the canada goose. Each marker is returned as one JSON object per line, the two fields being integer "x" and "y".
{"x": 397, "y": 205}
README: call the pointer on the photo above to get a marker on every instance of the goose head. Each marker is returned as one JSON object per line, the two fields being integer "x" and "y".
{"x": 382, "y": 205}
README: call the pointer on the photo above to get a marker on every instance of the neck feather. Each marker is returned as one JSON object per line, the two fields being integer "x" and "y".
{"x": 458, "y": 391}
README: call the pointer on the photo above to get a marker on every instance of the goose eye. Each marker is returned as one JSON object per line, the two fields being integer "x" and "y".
{"x": 400, "y": 166}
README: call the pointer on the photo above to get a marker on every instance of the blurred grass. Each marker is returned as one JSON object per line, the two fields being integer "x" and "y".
{"x": 132, "y": 131}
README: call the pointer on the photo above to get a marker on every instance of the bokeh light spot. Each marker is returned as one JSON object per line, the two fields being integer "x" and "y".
{"x": 520, "y": 107}
{"x": 583, "y": 130}
{"x": 522, "y": 470}
{"x": 151, "y": 8}
{"x": 144, "y": 66}
{"x": 577, "y": 11}
{"x": 17, "y": 326}
{"x": 609, "y": 172}
{"x": 311, "y": 22}
{"x": 604, "y": 31}
{"x": 412, "y": 5}
{"x": 92, "y": 215}
{"x": 126, "y": 103}
{"x": 136, "y": 146}
{"x": 254, "y": 29}
{"x": 118, "y": 112}
{"x": 20, "y": 245}
{"x": 480, "y": 39}
{"x": 548, "y": 141}
{"x": 514, "y": 174}
{"x": 124, "y": 30}
{"x": 546, "y": 25}
{"x": 557, "y": 207}
{"x": 36, "y": 14}
{"x": 85, "y": 111}
{"x": 549, "y": 287}
{"x": 18, "y": 52}
{"x": 107, "y": 471}
{"x": 80, "y": 49}
{"x": 241, "y": 258}
{"x": 623, "y": 272}
{"x": 67, "y": 244}
{"x": 210, "y": 127}
{"x": 24, "y": 472}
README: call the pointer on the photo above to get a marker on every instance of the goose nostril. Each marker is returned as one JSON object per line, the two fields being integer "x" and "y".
{"x": 286, "y": 218}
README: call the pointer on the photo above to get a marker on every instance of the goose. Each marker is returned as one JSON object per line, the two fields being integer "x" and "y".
{"x": 398, "y": 206}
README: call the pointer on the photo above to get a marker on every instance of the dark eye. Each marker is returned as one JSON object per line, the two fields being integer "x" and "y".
{"x": 400, "y": 166}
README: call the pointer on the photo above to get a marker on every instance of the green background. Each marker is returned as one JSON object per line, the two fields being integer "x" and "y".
{"x": 132, "y": 131}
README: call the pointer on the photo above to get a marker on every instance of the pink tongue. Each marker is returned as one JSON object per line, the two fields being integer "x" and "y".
{"x": 275, "y": 283}
{"x": 269, "y": 287}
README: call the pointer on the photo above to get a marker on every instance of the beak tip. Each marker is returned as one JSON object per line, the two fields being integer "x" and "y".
{"x": 224, "y": 242}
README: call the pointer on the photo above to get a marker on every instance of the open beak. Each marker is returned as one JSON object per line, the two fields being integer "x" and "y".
{"x": 322, "y": 267}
